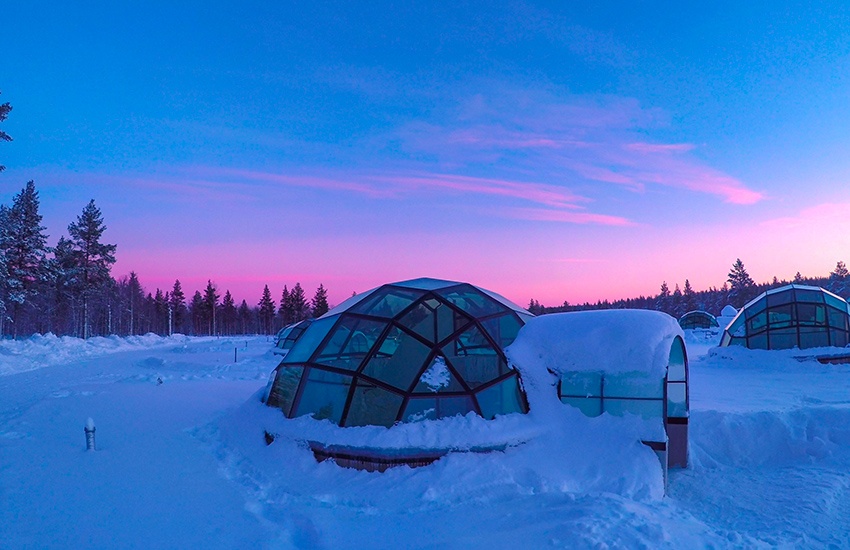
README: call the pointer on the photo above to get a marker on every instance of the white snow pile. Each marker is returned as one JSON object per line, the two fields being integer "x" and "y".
{"x": 46, "y": 350}
{"x": 609, "y": 341}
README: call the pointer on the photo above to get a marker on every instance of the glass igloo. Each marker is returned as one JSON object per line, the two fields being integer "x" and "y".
{"x": 407, "y": 351}
{"x": 791, "y": 316}
{"x": 698, "y": 319}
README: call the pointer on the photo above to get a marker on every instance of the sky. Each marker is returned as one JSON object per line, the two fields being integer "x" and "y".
{"x": 544, "y": 150}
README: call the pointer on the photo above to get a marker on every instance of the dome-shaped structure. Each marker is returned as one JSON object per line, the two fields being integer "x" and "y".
{"x": 413, "y": 350}
{"x": 791, "y": 316}
{"x": 698, "y": 319}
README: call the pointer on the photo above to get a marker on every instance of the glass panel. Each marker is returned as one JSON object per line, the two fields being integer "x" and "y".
{"x": 756, "y": 307}
{"x": 781, "y": 316}
{"x": 726, "y": 339}
{"x": 780, "y": 298}
{"x": 426, "y": 284}
{"x": 503, "y": 329}
{"x": 759, "y": 341}
{"x": 635, "y": 384}
{"x": 398, "y": 360}
{"x": 757, "y": 323}
{"x": 676, "y": 362}
{"x": 449, "y": 321}
{"x": 677, "y": 404}
{"x": 813, "y": 337}
{"x": 350, "y": 341}
{"x": 647, "y": 408}
{"x": 737, "y": 327}
{"x": 350, "y": 302}
{"x": 835, "y": 302}
{"x": 590, "y": 406}
{"x": 295, "y": 333}
{"x": 372, "y": 405}
{"x": 324, "y": 395}
{"x": 472, "y": 301}
{"x": 837, "y": 319}
{"x": 310, "y": 340}
{"x": 502, "y": 398}
{"x": 741, "y": 341}
{"x": 784, "y": 338}
{"x": 435, "y": 408}
{"x": 804, "y": 295}
{"x": 421, "y": 320}
{"x": 387, "y": 302}
{"x": 474, "y": 359}
{"x": 838, "y": 338}
{"x": 581, "y": 384}
{"x": 284, "y": 387}
{"x": 811, "y": 314}
{"x": 438, "y": 378}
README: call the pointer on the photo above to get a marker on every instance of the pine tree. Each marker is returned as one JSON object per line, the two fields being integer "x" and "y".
{"x": 284, "y": 310}
{"x": 228, "y": 313}
{"x": 688, "y": 297}
{"x": 4, "y": 112}
{"x": 160, "y": 307}
{"x": 244, "y": 316}
{"x": 741, "y": 284}
{"x": 25, "y": 249}
{"x": 196, "y": 310}
{"x": 319, "y": 303}
{"x": 662, "y": 302}
{"x": 177, "y": 306}
{"x": 266, "y": 311}
{"x": 298, "y": 304}
{"x": 840, "y": 272}
{"x": 92, "y": 259}
{"x": 798, "y": 278}
{"x": 135, "y": 301}
{"x": 211, "y": 297}
{"x": 676, "y": 302}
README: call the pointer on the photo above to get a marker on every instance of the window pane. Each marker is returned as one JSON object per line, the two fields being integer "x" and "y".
{"x": 737, "y": 329}
{"x": 780, "y": 298}
{"x": 372, "y": 405}
{"x": 785, "y": 338}
{"x": 811, "y": 314}
{"x": 759, "y": 341}
{"x": 324, "y": 395}
{"x": 438, "y": 378}
{"x": 399, "y": 359}
{"x": 472, "y": 301}
{"x": 422, "y": 320}
{"x": 590, "y": 406}
{"x": 504, "y": 329}
{"x": 836, "y": 302}
{"x": 647, "y": 408}
{"x": 676, "y": 362}
{"x": 837, "y": 319}
{"x": 813, "y": 338}
{"x": 312, "y": 337}
{"x": 350, "y": 341}
{"x": 475, "y": 360}
{"x": 502, "y": 398}
{"x": 756, "y": 307}
{"x": 677, "y": 405}
{"x": 814, "y": 296}
{"x": 634, "y": 384}
{"x": 781, "y": 316}
{"x": 284, "y": 387}
{"x": 838, "y": 338}
{"x": 757, "y": 323}
{"x": 387, "y": 302}
{"x": 449, "y": 321}
{"x": 581, "y": 384}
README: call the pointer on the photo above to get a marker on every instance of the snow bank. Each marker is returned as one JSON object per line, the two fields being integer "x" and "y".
{"x": 610, "y": 341}
{"x": 39, "y": 351}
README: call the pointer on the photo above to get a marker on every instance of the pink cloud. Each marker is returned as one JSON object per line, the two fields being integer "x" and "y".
{"x": 551, "y": 215}
{"x": 660, "y": 147}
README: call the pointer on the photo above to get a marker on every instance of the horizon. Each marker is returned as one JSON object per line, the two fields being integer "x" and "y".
{"x": 576, "y": 153}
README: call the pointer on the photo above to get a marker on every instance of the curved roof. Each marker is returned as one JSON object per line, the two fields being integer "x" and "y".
{"x": 791, "y": 316}
{"x": 698, "y": 319}
{"x": 424, "y": 348}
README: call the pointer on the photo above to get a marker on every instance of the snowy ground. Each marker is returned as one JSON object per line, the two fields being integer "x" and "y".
{"x": 182, "y": 464}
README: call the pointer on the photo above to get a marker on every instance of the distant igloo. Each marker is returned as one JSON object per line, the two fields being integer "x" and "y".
{"x": 698, "y": 319}
{"x": 407, "y": 351}
{"x": 791, "y": 316}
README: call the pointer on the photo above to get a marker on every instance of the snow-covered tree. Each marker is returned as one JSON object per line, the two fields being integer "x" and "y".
{"x": 319, "y": 303}
{"x": 24, "y": 246}
{"x": 266, "y": 311}
{"x": 92, "y": 259}
{"x": 4, "y": 112}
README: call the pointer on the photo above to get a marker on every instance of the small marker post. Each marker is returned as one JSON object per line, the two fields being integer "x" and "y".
{"x": 235, "y": 350}
{"x": 90, "y": 446}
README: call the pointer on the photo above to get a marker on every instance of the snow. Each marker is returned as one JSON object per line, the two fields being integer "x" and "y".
{"x": 611, "y": 341}
{"x": 184, "y": 464}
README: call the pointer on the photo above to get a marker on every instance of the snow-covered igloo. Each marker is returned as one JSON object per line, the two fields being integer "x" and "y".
{"x": 698, "y": 319}
{"x": 791, "y": 316}
{"x": 617, "y": 362}
{"x": 413, "y": 350}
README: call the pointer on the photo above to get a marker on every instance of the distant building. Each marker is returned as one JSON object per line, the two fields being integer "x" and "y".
{"x": 698, "y": 319}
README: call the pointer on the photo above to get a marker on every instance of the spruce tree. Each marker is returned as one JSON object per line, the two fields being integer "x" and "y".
{"x": 840, "y": 272}
{"x": 298, "y": 304}
{"x": 4, "y": 112}
{"x": 688, "y": 297}
{"x": 244, "y": 316}
{"x": 135, "y": 302}
{"x": 177, "y": 305}
{"x": 676, "y": 302}
{"x": 284, "y": 308}
{"x": 228, "y": 313}
{"x": 266, "y": 311}
{"x": 196, "y": 310}
{"x": 662, "y": 302}
{"x": 92, "y": 259}
{"x": 319, "y": 303}
{"x": 741, "y": 285}
{"x": 25, "y": 248}
{"x": 211, "y": 297}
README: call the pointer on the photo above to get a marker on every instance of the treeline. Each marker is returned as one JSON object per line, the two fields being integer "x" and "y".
{"x": 737, "y": 290}
{"x": 69, "y": 289}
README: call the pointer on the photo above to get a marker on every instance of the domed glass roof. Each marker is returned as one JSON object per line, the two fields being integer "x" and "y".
{"x": 791, "y": 316}
{"x": 407, "y": 351}
{"x": 698, "y": 319}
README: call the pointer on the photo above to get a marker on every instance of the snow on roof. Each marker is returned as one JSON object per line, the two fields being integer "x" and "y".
{"x": 611, "y": 341}
{"x": 729, "y": 311}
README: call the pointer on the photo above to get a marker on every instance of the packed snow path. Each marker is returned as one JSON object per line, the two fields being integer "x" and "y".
{"x": 181, "y": 465}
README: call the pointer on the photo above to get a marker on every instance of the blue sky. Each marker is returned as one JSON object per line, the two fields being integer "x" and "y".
{"x": 539, "y": 149}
